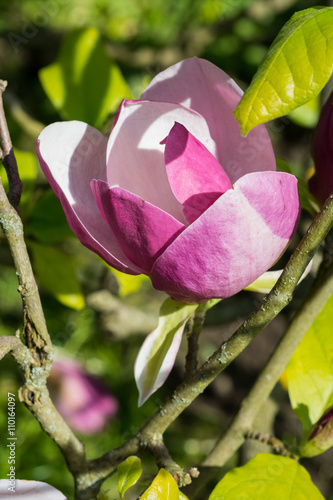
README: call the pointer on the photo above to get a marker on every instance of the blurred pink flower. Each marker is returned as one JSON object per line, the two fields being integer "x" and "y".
{"x": 321, "y": 184}
{"x": 80, "y": 398}
{"x": 176, "y": 192}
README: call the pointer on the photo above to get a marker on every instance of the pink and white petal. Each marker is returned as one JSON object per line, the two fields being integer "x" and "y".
{"x": 136, "y": 156}
{"x": 196, "y": 177}
{"x": 142, "y": 230}
{"x": 203, "y": 87}
{"x": 29, "y": 490}
{"x": 159, "y": 350}
{"x": 235, "y": 241}
{"x": 71, "y": 154}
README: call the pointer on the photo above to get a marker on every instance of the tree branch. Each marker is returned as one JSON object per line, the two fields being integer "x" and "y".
{"x": 189, "y": 389}
{"x": 251, "y": 405}
{"x": 8, "y": 158}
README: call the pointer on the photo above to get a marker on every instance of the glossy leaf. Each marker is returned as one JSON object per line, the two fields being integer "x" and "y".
{"x": 84, "y": 84}
{"x": 295, "y": 69}
{"x": 129, "y": 471}
{"x": 164, "y": 487}
{"x": 309, "y": 373}
{"x": 159, "y": 350}
{"x": 56, "y": 272}
{"x": 47, "y": 222}
{"x": 267, "y": 476}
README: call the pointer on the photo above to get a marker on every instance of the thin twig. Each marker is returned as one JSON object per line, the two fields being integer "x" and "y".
{"x": 194, "y": 327}
{"x": 277, "y": 445}
{"x": 8, "y": 157}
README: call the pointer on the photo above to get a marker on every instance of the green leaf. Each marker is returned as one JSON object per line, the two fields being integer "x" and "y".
{"x": 267, "y": 477}
{"x": 309, "y": 373}
{"x": 47, "y": 222}
{"x": 164, "y": 487}
{"x": 128, "y": 283}
{"x": 159, "y": 350}
{"x": 307, "y": 200}
{"x": 56, "y": 272}
{"x": 84, "y": 84}
{"x": 307, "y": 115}
{"x": 297, "y": 66}
{"x": 182, "y": 496}
{"x": 129, "y": 472}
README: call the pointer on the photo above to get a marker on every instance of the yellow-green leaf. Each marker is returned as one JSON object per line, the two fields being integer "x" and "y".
{"x": 267, "y": 477}
{"x": 56, "y": 272}
{"x": 127, "y": 282}
{"x": 294, "y": 71}
{"x": 164, "y": 487}
{"x": 129, "y": 471}
{"x": 309, "y": 373}
{"x": 84, "y": 84}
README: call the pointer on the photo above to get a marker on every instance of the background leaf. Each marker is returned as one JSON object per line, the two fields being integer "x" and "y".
{"x": 164, "y": 487}
{"x": 129, "y": 471}
{"x": 56, "y": 272}
{"x": 47, "y": 221}
{"x": 309, "y": 373}
{"x": 84, "y": 84}
{"x": 295, "y": 69}
{"x": 267, "y": 477}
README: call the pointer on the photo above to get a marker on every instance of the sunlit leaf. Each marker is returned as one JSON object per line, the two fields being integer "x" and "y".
{"x": 164, "y": 487}
{"x": 294, "y": 71}
{"x": 309, "y": 373}
{"x": 307, "y": 115}
{"x": 84, "y": 84}
{"x": 267, "y": 476}
{"x": 56, "y": 272}
{"x": 159, "y": 350}
{"x": 127, "y": 282}
{"x": 46, "y": 221}
{"x": 182, "y": 496}
{"x": 129, "y": 472}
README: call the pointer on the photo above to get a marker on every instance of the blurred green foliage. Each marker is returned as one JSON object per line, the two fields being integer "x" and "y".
{"x": 59, "y": 57}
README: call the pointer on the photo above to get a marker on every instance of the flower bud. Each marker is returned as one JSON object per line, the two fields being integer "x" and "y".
{"x": 320, "y": 437}
{"x": 321, "y": 184}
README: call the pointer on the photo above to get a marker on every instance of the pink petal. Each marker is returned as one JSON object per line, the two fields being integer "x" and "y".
{"x": 142, "y": 230}
{"x": 71, "y": 154}
{"x": 196, "y": 177}
{"x": 202, "y": 87}
{"x": 236, "y": 240}
{"x": 136, "y": 156}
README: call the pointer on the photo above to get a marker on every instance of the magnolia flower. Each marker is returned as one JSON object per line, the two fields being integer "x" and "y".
{"x": 80, "y": 398}
{"x": 321, "y": 184}
{"x": 175, "y": 192}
